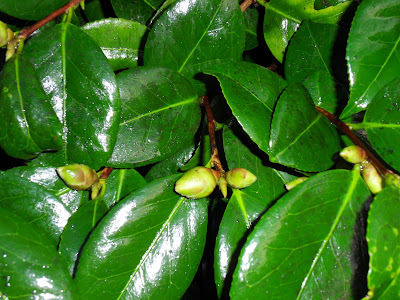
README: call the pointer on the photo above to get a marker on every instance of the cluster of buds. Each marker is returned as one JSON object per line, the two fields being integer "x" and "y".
{"x": 356, "y": 155}
{"x": 80, "y": 177}
{"x": 7, "y": 40}
{"x": 200, "y": 182}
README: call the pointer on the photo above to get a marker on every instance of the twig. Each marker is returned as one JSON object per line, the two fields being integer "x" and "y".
{"x": 106, "y": 172}
{"x": 347, "y": 131}
{"x": 245, "y": 4}
{"x": 213, "y": 143}
{"x": 24, "y": 33}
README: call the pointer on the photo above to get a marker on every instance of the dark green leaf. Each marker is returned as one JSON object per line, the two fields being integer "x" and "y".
{"x": 301, "y": 248}
{"x": 34, "y": 203}
{"x": 316, "y": 47}
{"x": 48, "y": 178}
{"x": 30, "y": 9}
{"x": 119, "y": 39}
{"x": 372, "y": 51}
{"x": 137, "y": 10}
{"x": 120, "y": 183}
{"x": 325, "y": 91}
{"x": 301, "y": 138}
{"x": 202, "y": 155}
{"x": 251, "y": 19}
{"x": 243, "y": 208}
{"x": 95, "y": 9}
{"x": 382, "y": 123}
{"x": 383, "y": 244}
{"x": 160, "y": 115}
{"x": 148, "y": 246}
{"x": 77, "y": 229}
{"x": 28, "y": 124}
{"x": 172, "y": 164}
{"x": 76, "y": 75}
{"x": 30, "y": 266}
{"x": 282, "y": 17}
{"x": 192, "y": 35}
{"x": 251, "y": 92}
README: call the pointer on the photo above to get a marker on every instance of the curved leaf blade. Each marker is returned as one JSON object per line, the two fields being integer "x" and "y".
{"x": 382, "y": 125}
{"x": 34, "y": 203}
{"x": 216, "y": 33}
{"x": 29, "y": 263}
{"x": 251, "y": 100}
{"x": 28, "y": 124}
{"x": 300, "y": 137}
{"x": 119, "y": 39}
{"x": 316, "y": 47}
{"x": 244, "y": 207}
{"x": 148, "y": 246}
{"x": 383, "y": 244}
{"x": 372, "y": 52}
{"x": 140, "y": 11}
{"x": 301, "y": 247}
{"x": 76, "y": 75}
{"x": 160, "y": 115}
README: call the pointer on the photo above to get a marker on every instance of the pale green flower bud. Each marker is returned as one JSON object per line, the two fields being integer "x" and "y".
{"x": 223, "y": 186}
{"x": 292, "y": 184}
{"x": 371, "y": 177}
{"x": 197, "y": 183}
{"x": 3, "y": 34}
{"x": 240, "y": 178}
{"x": 77, "y": 176}
{"x": 353, "y": 154}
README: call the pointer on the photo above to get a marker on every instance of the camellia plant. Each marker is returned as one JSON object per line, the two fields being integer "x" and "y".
{"x": 200, "y": 149}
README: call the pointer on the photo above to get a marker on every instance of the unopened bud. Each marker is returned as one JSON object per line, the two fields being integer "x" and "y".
{"x": 292, "y": 184}
{"x": 77, "y": 176}
{"x": 11, "y": 48}
{"x": 392, "y": 180}
{"x": 240, "y": 178}
{"x": 223, "y": 186}
{"x": 3, "y": 34}
{"x": 371, "y": 177}
{"x": 197, "y": 183}
{"x": 353, "y": 154}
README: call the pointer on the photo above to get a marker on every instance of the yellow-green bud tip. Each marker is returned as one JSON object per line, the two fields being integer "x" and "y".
{"x": 371, "y": 178}
{"x": 223, "y": 186}
{"x": 292, "y": 184}
{"x": 240, "y": 178}
{"x": 353, "y": 154}
{"x": 77, "y": 176}
{"x": 197, "y": 183}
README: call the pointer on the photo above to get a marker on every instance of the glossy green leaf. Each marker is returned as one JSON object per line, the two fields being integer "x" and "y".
{"x": 30, "y": 9}
{"x": 172, "y": 164}
{"x": 120, "y": 183}
{"x": 79, "y": 225}
{"x": 96, "y": 9}
{"x": 282, "y": 18}
{"x": 251, "y": 19}
{"x": 372, "y": 51}
{"x": 28, "y": 124}
{"x": 33, "y": 203}
{"x": 251, "y": 92}
{"x": 148, "y": 246}
{"x": 81, "y": 84}
{"x": 244, "y": 207}
{"x": 301, "y": 248}
{"x": 119, "y": 39}
{"x": 383, "y": 245}
{"x": 140, "y": 11}
{"x": 48, "y": 178}
{"x": 325, "y": 91}
{"x": 202, "y": 155}
{"x": 382, "y": 123}
{"x": 30, "y": 266}
{"x": 160, "y": 115}
{"x": 301, "y": 137}
{"x": 316, "y": 47}
{"x": 192, "y": 35}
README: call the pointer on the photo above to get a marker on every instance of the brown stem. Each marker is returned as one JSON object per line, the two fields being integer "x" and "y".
{"x": 24, "y": 33}
{"x": 245, "y": 4}
{"x": 213, "y": 142}
{"x": 106, "y": 172}
{"x": 347, "y": 131}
